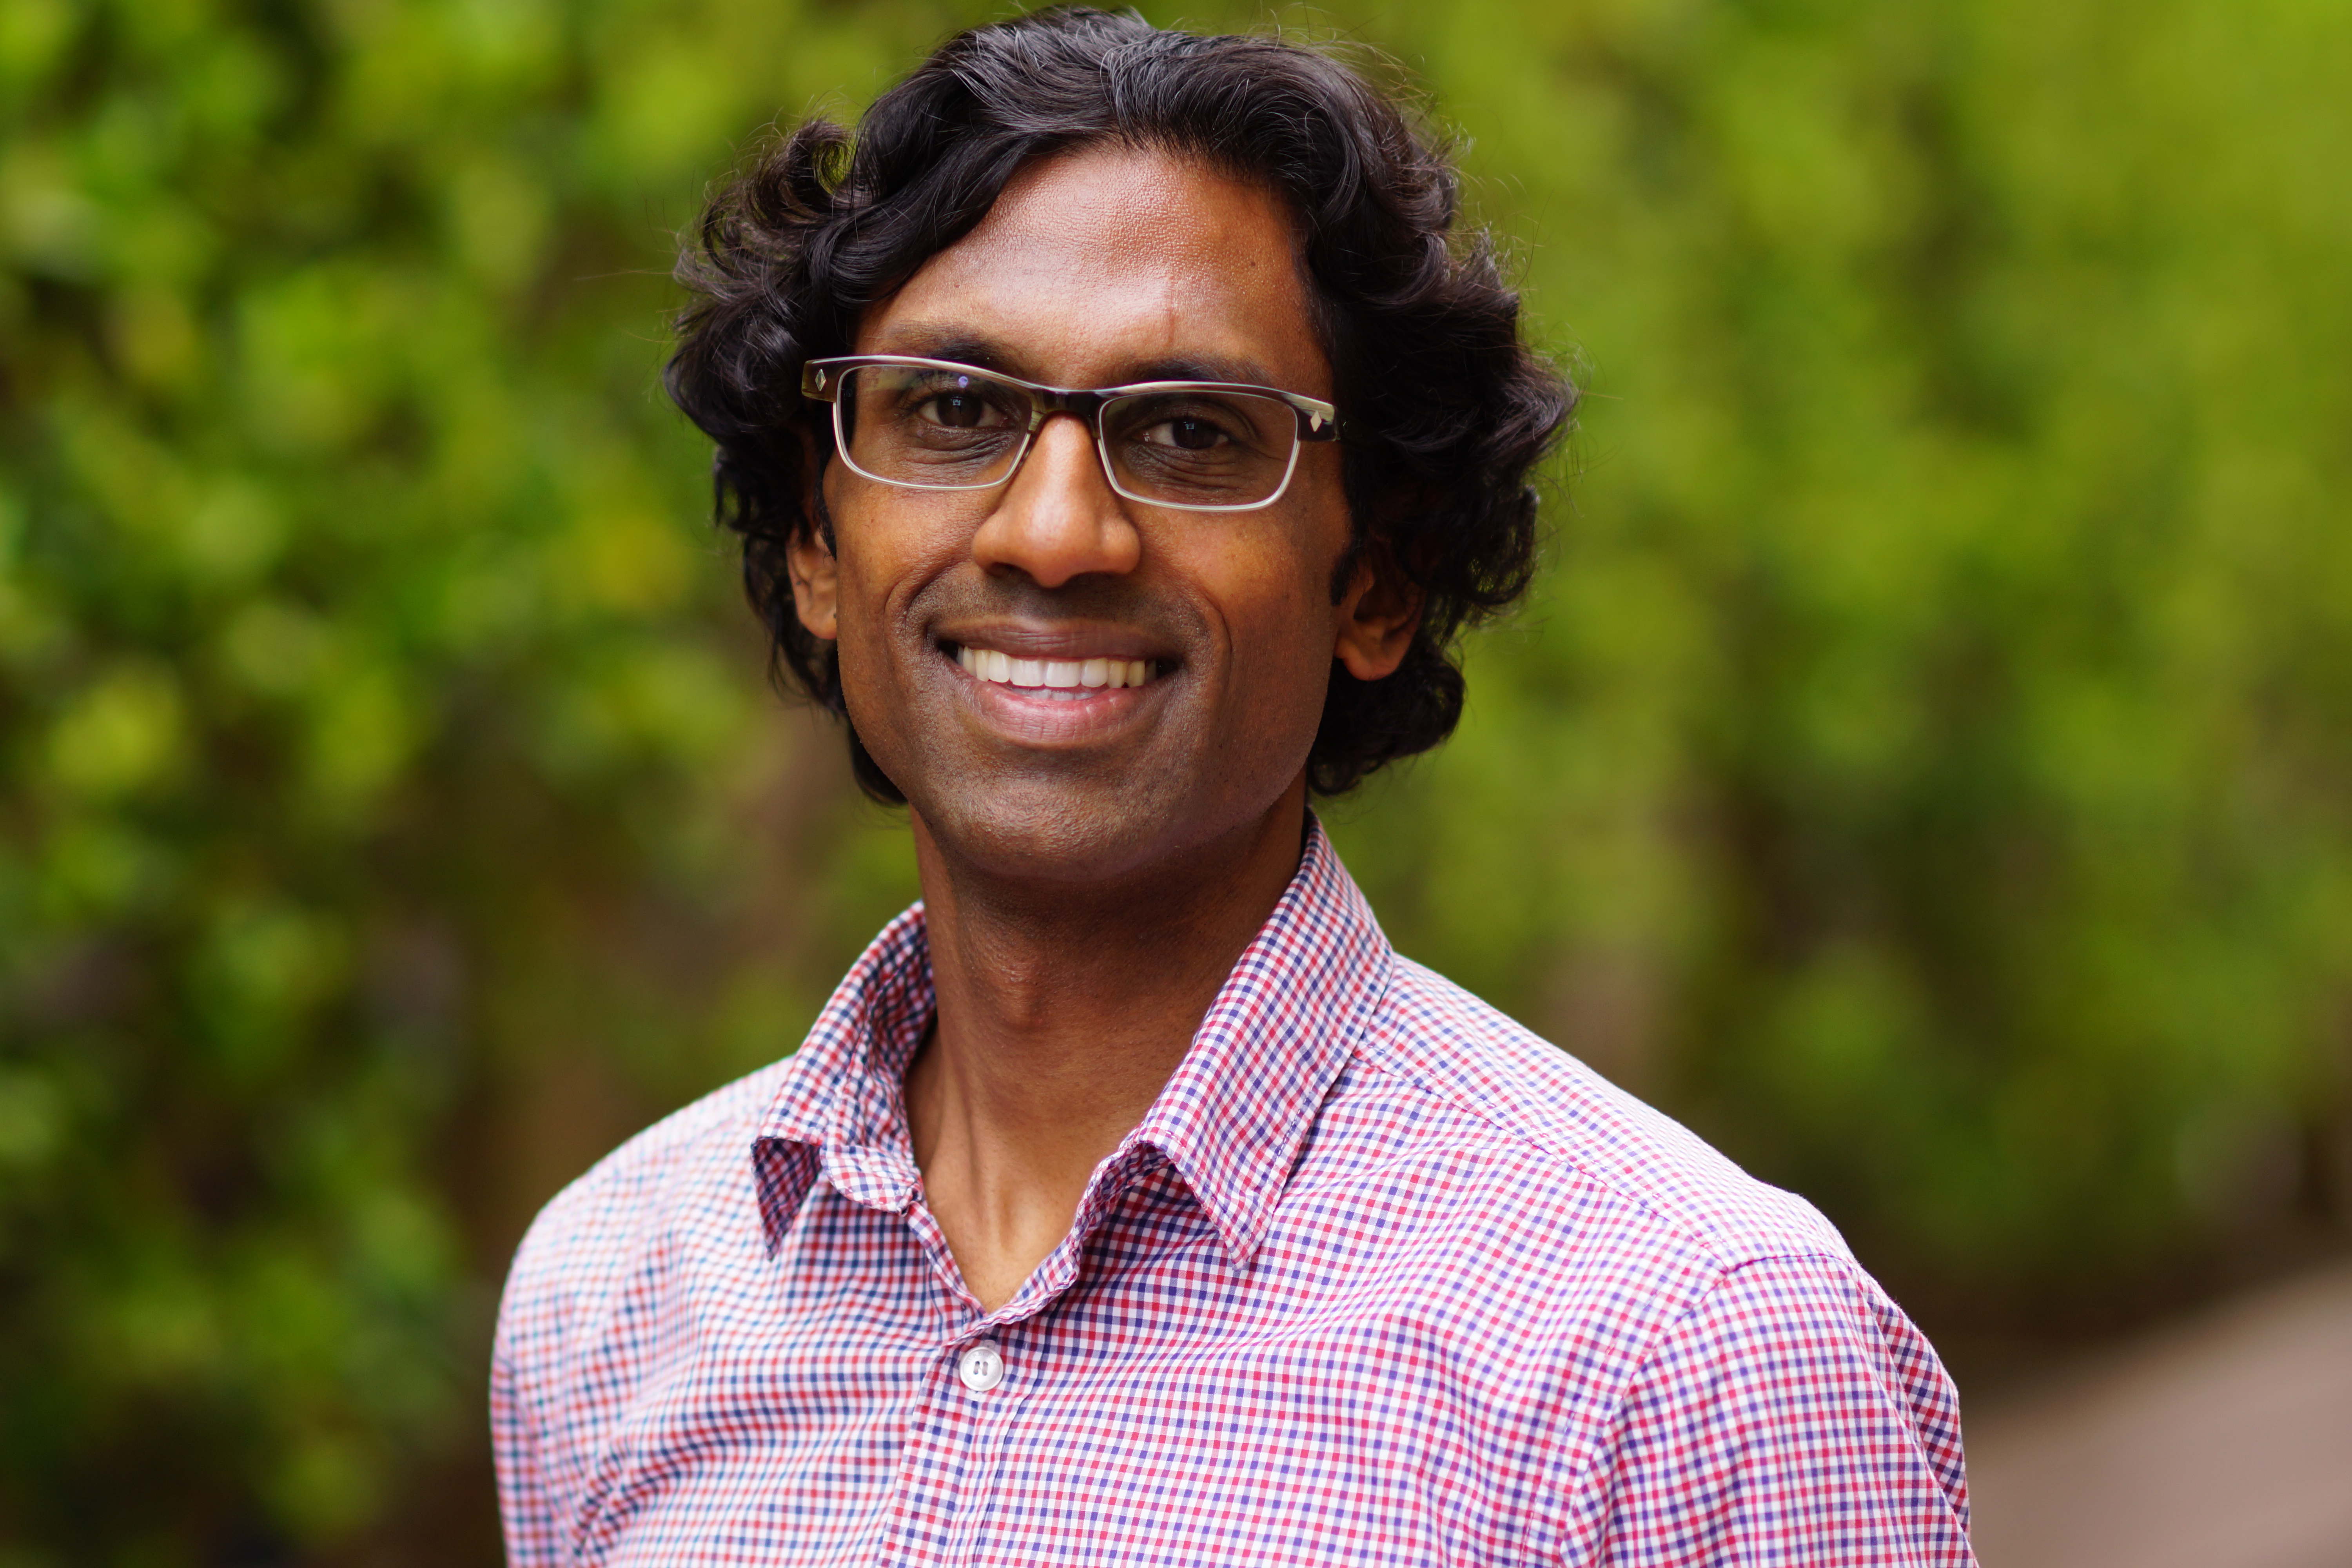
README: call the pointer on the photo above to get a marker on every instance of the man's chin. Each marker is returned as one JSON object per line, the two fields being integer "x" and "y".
{"x": 1070, "y": 834}
{"x": 1038, "y": 834}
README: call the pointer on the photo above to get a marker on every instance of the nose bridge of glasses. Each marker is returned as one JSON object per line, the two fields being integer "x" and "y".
{"x": 1084, "y": 406}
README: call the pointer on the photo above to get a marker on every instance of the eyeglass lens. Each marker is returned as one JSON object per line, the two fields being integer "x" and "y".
{"x": 939, "y": 429}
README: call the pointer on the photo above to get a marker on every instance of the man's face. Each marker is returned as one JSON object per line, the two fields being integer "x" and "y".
{"x": 1106, "y": 267}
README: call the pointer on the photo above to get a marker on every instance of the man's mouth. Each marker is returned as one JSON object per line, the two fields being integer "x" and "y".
{"x": 1055, "y": 677}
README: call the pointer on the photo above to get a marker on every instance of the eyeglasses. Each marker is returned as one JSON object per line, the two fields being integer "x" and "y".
{"x": 933, "y": 424}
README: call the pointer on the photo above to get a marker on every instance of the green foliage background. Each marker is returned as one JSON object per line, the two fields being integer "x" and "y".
{"x": 1924, "y": 766}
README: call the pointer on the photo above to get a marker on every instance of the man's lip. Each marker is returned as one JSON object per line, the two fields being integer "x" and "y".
{"x": 1080, "y": 642}
{"x": 1030, "y": 717}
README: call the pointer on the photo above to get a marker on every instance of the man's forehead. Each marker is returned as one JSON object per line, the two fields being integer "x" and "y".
{"x": 1116, "y": 198}
{"x": 1118, "y": 262}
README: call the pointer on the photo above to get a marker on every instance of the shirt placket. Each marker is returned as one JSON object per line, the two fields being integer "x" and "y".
{"x": 971, "y": 1397}
{"x": 985, "y": 1369}
{"x": 943, "y": 1456}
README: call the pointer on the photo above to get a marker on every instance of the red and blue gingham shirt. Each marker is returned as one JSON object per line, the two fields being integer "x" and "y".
{"x": 1382, "y": 1277}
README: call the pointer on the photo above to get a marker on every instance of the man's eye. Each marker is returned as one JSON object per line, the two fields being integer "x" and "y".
{"x": 958, "y": 411}
{"x": 1186, "y": 434}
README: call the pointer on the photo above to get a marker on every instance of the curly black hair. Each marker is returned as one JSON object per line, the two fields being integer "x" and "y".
{"x": 1444, "y": 410}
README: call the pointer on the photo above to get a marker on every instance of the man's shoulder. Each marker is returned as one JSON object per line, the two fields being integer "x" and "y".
{"x": 1480, "y": 1076}
{"x": 696, "y": 1159}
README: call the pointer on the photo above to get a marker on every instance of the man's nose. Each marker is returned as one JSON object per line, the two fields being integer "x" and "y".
{"x": 1059, "y": 518}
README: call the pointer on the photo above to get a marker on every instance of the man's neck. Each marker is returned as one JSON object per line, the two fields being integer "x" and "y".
{"x": 1062, "y": 1012}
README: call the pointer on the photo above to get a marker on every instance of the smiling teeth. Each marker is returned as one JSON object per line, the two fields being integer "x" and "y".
{"x": 1003, "y": 670}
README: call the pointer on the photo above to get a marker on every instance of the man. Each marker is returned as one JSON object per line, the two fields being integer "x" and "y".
{"x": 1118, "y": 445}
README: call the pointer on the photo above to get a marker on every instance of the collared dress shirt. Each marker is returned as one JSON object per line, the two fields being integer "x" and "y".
{"x": 1380, "y": 1279}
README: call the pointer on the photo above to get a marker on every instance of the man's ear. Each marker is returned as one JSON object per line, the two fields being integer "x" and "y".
{"x": 817, "y": 583}
{"x": 816, "y": 575}
{"x": 1378, "y": 615}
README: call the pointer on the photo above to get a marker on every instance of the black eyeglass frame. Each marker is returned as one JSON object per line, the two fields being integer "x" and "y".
{"x": 822, "y": 379}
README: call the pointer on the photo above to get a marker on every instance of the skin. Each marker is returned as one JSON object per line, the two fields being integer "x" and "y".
{"x": 1092, "y": 868}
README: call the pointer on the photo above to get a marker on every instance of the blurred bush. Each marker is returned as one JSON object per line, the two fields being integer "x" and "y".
{"x": 1924, "y": 768}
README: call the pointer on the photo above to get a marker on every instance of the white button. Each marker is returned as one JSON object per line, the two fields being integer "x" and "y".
{"x": 981, "y": 1367}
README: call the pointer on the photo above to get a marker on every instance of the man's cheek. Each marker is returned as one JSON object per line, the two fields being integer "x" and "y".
{"x": 865, "y": 637}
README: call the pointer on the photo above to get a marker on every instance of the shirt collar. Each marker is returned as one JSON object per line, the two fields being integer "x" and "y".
{"x": 1231, "y": 1120}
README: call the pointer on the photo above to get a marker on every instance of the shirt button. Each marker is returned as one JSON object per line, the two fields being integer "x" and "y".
{"x": 981, "y": 1367}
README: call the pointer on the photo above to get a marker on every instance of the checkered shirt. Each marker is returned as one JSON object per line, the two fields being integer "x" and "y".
{"x": 1382, "y": 1277}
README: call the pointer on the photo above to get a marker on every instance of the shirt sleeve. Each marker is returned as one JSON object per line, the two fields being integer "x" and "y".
{"x": 1792, "y": 1416}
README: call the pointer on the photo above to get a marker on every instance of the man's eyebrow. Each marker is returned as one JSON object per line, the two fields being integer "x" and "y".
{"x": 922, "y": 340}
{"x": 1248, "y": 373}
{"x": 925, "y": 341}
